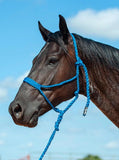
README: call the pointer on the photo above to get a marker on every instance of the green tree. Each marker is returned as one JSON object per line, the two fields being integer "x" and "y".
{"x": 91, "y": 157}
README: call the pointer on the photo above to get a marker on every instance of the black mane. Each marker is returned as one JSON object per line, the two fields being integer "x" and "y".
{"x": 98, "y": 52}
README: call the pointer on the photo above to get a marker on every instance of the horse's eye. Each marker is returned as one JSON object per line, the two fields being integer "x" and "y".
{"x": 52, "y": 61}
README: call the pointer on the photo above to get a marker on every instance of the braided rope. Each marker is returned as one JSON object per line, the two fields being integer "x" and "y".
{"x": 39, "y": 87}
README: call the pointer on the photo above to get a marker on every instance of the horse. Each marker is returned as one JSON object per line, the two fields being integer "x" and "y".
{"x": 56, "y": 63}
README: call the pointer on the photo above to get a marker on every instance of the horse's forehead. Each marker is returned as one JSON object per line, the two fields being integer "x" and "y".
{"x": 53, "y": 46}
{"x": 49, "y": 48}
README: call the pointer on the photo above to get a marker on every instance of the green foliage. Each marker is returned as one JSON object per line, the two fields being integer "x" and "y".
{"x": 91, "y": 157}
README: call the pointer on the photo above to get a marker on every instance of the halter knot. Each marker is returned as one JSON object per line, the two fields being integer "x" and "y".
{"x": 76, "y": 93}
{"x": 78, "y": 62}
{"x": 58, "y": 121}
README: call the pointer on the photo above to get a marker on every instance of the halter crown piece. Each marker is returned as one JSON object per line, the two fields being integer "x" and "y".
{"x": 78, "y": 63}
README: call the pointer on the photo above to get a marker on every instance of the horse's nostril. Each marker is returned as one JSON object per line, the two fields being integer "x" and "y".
{"x": 17, "y": 111}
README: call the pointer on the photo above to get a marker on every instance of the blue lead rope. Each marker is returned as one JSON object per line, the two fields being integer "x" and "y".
{"x": 39, "y": 87}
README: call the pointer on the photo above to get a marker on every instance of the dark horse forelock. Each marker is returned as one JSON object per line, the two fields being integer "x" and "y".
{"x": 57, "y": 63}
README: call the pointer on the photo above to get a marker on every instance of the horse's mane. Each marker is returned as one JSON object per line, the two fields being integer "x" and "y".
{"x": 102, "y": 62}
{"x": 99, "y": 53}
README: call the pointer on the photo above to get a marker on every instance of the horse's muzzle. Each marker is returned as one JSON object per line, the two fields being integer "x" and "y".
{"x": 16, "y": 110}
{"x": 18, "y": 114}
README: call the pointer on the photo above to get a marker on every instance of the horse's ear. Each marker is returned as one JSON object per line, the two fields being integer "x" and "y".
{"x": 44, "y": 32}
{"x": 64, "y": 29}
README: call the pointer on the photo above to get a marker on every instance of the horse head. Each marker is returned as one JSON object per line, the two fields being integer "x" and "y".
{"x": 54, "y": 64}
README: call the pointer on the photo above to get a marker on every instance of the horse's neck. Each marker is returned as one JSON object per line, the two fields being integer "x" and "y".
{"x": 105, "y": 95}
{"x": 105, "y": 105}
{"x": 102, "y": 62}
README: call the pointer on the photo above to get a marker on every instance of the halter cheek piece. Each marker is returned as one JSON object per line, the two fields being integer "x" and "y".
{"x": 39, "y": 87}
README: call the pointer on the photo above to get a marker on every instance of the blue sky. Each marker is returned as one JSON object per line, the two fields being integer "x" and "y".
{"x": 20, "y": 41}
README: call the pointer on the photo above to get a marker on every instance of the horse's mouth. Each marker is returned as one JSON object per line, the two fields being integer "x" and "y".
{"x": 32, "y": 122}
{"x": 27, "y": 115}
{"x": 34, "y": 119}
{"x": 27, "y": 120}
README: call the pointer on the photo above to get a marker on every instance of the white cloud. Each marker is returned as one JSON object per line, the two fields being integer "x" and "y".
{"x": 1, "y": 142}
{"x": 3, "y": 134}
{"x": 104, "y": 23}
{"x": 10, "y": 83}
{"x": 20, "y": 79}
{"x": 112, "y": 145}
{"x": 3, "y": 93}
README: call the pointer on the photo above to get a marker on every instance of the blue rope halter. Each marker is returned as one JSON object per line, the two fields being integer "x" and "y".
{"x": 39, "y": 87}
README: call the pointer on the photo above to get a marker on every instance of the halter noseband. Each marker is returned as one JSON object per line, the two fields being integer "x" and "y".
{"x": 39, "y": 87}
